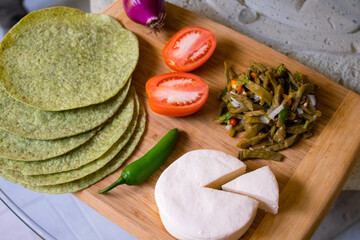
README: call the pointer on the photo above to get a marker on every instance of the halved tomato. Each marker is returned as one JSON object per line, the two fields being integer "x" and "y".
{"x": 176, "y": 94}
{"x": 189, "y": 48}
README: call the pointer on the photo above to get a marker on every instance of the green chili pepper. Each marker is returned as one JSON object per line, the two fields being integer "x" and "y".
{"x": 281, "y": 68}
{"x": 245, "y": 81}
{"x": 140, "y": 170}
{"x": 226, "y": 116}
{"x": 283, "y": 114}
{"x": 306, "y": 124}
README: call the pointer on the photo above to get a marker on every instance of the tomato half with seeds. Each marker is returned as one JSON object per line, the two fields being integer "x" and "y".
{"x": 176, "y": 94}
{"x": 189, "y": 48}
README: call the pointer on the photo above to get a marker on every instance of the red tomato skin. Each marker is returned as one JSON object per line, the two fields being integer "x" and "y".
{"x": 177, "y": 64}
{"x": 232, "y": 121}
{"x": 158, "y": 106}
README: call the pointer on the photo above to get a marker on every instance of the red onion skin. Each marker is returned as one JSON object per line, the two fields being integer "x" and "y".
{"x": 145, "y": 12}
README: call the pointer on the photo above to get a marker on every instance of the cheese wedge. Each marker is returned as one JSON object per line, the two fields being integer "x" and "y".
{"x": 261, "y": 185}
{"x": 189, "y": 210}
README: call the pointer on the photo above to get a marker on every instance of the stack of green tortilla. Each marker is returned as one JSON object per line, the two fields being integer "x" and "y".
{"x": 69, "y": 116}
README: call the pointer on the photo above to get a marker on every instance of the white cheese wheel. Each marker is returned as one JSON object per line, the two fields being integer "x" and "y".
{"x": 189, "y": 210}
{"x": 261, "y": 185}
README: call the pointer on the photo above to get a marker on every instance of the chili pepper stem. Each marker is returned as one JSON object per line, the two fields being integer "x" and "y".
{"x": 118, "y": 182}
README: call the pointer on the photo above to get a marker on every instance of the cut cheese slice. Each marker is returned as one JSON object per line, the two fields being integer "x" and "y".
{"x": 189, "y": 210}
{"x": 261, "y": 185}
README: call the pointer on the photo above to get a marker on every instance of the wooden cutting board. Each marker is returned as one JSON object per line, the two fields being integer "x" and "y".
{"x": 310, "y": 177}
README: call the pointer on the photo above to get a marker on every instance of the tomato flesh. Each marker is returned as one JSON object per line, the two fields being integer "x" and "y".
{"x": 176, "y": 94}
{"x": 189, "y": 48}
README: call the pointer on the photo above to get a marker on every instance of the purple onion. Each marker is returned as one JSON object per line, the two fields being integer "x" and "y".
{"x": 150, "y": 13}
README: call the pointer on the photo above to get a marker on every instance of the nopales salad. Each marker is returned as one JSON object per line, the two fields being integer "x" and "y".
{"x": 273, "y": 106}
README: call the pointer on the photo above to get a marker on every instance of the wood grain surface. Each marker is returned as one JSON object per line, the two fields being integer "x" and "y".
{"x": 311, "y": 175}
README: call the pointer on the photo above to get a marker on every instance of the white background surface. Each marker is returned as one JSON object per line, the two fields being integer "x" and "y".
{"x": 63, "y": 216}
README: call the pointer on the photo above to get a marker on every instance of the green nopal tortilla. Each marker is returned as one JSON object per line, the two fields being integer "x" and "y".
{"x": 91, "y": 150}
{"x": 24, "y": 149}
{"x": 94, "y": 177}
{"x": 61, "y": 58}
{"x": 29, "y": 122}
{"x": 63, "y": 177}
